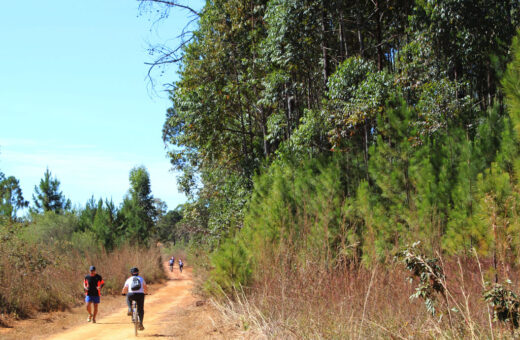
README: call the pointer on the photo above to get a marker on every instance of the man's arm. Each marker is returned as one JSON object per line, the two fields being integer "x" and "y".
{"x": 125, "y": 289}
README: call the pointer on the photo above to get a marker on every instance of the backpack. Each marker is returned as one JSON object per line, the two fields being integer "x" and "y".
{"x": 136, "y": 284}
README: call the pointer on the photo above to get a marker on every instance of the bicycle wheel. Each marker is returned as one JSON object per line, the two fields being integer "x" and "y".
{"x": 135, "y": 317}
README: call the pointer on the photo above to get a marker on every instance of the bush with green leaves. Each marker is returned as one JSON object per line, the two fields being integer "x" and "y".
{"x": 429, "y": 273}
{"x": 505, "y": 303}
{"x": 231, "y": 267}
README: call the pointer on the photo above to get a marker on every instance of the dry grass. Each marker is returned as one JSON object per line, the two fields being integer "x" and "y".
{"x": 362, "y": 304}
{"x": 36, "y": 277}
{"x": 115, "y": 266}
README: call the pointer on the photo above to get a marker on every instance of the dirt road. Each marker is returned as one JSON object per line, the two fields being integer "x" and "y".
{"x": 159, "y": 309}
{"x": 171, "y": 312}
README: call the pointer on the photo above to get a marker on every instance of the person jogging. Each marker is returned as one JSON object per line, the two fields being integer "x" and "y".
{"x": 135, "y": 288}
{"x": 92, "y": 286}
{"x": 171, "y": 263}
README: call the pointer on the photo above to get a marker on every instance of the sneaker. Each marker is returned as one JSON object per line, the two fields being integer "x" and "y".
{"x": 89, "y": 318}
{"x": 129, "y": 313}
{"x": 141, "y": 327}
{"x": 93, "y": 320}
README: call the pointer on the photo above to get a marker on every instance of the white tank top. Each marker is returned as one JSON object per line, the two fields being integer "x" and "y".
{"x": 128, "y": 284}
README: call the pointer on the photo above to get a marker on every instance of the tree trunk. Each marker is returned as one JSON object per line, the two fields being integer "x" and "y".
{"x": 488, "y": 74}
{"x": 379, "y": 36}
{"x": 324, "y": 44}
{"x": 359, "y": 24}
{"x": 343, "y": 48}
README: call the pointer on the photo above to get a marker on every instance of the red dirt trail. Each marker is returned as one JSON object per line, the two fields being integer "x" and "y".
{"x": 171, "y": 312}
{"x": 159, "y": 309}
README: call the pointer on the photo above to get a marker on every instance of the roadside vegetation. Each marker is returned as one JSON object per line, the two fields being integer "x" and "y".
{"x": 331, "y": 150}
{"x": 45, "y": 254}
{"x": 352, "y": 169}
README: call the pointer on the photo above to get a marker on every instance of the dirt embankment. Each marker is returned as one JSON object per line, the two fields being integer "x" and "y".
{"x": 172, "y": 311}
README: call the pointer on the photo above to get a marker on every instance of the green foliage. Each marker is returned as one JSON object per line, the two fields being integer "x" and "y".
{"x": 47, "y": 196}
{"x": 167, "y": 226}
{"x": 105, "y": 225}
{"x": 505, "y": 303}
{"x": 85, "y": 242}
{"x": 356, "y": 95}
{"x": 137, "y": 213}
{"x": 297, "y": 212}
{"x": 11, "y": 197}
{"x": 427, "y": 271}
{"x": 232, "y": 267}
{"x": 346, "y": 130}
{"x": 52, "y": 227}
{"x": 462, "y": 43}
{"x": 511, "y": 84}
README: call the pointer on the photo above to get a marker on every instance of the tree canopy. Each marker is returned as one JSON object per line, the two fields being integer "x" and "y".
{"x": 48, "y": 197}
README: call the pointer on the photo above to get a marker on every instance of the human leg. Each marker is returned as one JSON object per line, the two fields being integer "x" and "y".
{"x": 95, "y": 312}
{"x": 139, "y": 298}
{"x": 89, "y": 309}
{"x": 129, "y": 304}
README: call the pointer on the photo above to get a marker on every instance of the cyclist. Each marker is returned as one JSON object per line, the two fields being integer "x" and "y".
{"x": 135, "y": 288}
{"x": 92, "y": 285}
{"x": 171, "y": 263}
{"x": 181, "y": 265}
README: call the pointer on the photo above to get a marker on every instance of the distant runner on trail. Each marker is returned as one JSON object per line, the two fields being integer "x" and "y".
{"x": 181, "y": 265}
{"x": 171, "y": 263}
{"x": 92, "y": 286}
{"x": 135, "y": 288}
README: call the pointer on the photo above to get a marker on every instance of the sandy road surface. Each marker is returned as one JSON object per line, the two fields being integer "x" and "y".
{"x": 159, "y": 309}
{"x": 171, "y": 312}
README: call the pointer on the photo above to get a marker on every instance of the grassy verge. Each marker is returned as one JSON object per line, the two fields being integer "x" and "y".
{"x": 348, "y": 303}
{"x": 44, "y": 277}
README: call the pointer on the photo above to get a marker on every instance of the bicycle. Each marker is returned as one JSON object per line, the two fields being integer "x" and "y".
{"x": 135, "y": 316}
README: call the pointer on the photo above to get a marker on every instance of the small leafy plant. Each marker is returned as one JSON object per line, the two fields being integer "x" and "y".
{"x": 428, "y": 271}
{"x": 505, "y": 303}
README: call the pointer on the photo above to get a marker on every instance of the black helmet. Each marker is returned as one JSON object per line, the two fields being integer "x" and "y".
{"x": 134, "y": 271}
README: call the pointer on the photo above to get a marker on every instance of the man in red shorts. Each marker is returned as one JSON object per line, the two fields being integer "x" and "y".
{"x": 92, "y": 285}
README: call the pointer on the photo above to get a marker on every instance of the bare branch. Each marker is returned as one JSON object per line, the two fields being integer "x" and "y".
{"x": 171, "y": 4}
{"x": 162, "y": 54}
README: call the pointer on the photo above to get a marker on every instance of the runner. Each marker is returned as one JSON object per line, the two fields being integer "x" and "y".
{"x": 171, "y": 263}
{"x": 92, "y": 286}
{"x": 135, "y": 288}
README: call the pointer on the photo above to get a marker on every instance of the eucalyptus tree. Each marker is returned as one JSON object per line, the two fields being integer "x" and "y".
{"x": 471, "y": 39}
{"x": 11, "y": 197}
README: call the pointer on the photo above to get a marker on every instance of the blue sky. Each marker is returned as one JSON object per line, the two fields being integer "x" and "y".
{"x": 74, "y": 96}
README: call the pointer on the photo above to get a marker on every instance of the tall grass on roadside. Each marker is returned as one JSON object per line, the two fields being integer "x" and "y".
{"x": 360, "y": 304}
{"x": 115, "y": 266}
{"x": 41, "y": 277}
